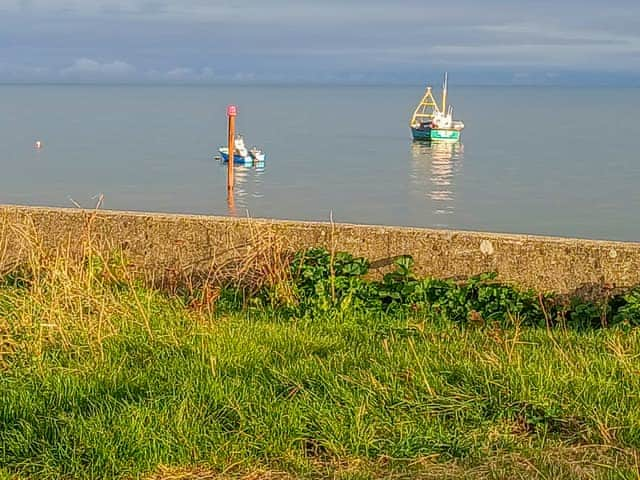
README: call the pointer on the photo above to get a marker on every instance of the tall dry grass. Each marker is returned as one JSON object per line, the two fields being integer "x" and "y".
{"x": 69, "y": 291}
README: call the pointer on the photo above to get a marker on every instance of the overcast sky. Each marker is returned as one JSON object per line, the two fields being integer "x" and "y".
{"x": 348, "y": 41}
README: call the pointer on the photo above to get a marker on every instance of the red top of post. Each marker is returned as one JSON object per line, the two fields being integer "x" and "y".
{"x": 232, "y": 111}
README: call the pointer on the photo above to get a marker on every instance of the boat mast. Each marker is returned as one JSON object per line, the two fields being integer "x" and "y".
{"x": 444, "y": 93}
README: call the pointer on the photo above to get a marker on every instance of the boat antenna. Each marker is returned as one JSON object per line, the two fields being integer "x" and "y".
{"x": 444, "y": 92}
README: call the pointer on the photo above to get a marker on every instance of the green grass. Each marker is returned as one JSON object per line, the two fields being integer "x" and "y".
{"x": 101, "y": 380}
{"x": 321, "y": 373}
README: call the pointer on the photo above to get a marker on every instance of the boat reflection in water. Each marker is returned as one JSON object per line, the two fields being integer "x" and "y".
{"x": 248, "y": 188}
{"x": 434, "y": 168}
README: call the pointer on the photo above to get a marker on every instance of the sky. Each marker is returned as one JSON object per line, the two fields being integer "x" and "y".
{"x": 526, "y": 42}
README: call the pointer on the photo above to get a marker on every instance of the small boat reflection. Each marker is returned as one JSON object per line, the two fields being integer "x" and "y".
{"x": 434, "y": 168}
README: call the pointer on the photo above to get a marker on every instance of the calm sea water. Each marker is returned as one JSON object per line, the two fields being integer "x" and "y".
{"x": 547, "y": 161}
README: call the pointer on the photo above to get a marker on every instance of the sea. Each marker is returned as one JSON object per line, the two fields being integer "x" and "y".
{"x": 539, "y": 160}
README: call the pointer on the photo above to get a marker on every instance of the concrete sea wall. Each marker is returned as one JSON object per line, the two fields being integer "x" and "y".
{"x": 159, "y": 244}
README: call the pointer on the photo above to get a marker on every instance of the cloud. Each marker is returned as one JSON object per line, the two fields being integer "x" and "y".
{"x": 175, "y": 41}
{"x": 186, "y": 74}
{"x": 87, "y": 66}
{"x": 180, "y": 73}
{"x": 244, "y": 76}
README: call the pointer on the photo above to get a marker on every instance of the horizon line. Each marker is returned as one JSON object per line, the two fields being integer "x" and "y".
{"x": 568, "y": 84}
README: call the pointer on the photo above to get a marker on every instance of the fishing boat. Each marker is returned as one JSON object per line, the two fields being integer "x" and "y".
{"x": 241, "y": 154}
{"x": 431, "y": 121}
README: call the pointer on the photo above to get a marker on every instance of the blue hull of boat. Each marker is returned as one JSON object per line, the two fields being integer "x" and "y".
{"x": 421, "y": 134}
{"x": 236, "y": 158}
{"x": 246, "y": 161}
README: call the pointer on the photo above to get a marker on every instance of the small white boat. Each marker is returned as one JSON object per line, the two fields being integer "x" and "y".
{"x": 241, "y": 154}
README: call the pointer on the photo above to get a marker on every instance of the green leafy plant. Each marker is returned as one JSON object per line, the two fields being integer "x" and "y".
{"x": 327, "y": 282}
{"x": 629, "y": 311}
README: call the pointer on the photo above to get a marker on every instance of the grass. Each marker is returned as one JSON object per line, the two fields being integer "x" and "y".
{"x": 102, "y": 376}
{"x": 350, "y": 396}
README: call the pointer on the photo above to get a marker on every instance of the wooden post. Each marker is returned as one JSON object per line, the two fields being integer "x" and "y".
{"x": 232, "y": 111}
{"x": 231, "y": 203}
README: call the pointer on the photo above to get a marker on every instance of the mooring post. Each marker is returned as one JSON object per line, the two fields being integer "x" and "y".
{"x": 231, "y": 203}
{"x": 232, "y": 111}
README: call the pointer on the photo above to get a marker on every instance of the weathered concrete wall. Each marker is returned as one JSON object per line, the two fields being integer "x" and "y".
{"x": 161, "y": 243}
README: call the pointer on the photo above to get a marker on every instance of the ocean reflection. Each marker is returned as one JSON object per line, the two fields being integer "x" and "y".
{"x": 249, "y": 182}
{"x": 434, "y": 168}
